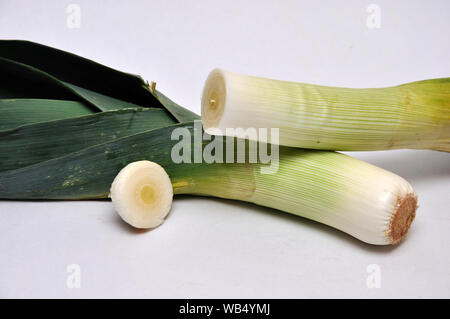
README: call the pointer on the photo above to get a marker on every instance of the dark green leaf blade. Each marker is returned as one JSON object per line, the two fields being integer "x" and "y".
{"x": 79, "y": 71}
{"x": 17, "y": 112}
{"x": 88, "y": 173}
{"x": 87, "y": 78}
{"x": 180, "y": 113}
{"x": 35, "y": 143}
{"x": 19, "y": 80}
{"x": 103, "y": 102}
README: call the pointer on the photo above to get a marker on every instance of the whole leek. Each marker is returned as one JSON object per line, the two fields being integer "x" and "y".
{"x": 369, "y": 203}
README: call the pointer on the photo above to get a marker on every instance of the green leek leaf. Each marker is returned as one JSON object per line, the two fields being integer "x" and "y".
{"x": 17, "y": 112}
{"x": 32, "y": 70}
{"x": 79, "y": 71}
{"x": 34, "y": 143}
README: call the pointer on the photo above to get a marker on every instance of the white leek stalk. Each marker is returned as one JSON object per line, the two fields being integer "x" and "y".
{"x": 414, "y": 115}
{"x": 367, "y": 202}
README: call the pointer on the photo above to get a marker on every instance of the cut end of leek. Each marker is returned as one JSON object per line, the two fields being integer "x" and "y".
{"x": 142, "y": 194}
{"x": 402, "y": 218}
{"x": 213, "y": 101}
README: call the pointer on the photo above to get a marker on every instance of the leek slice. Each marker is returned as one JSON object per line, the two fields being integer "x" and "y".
{"x": 142, "y": 194}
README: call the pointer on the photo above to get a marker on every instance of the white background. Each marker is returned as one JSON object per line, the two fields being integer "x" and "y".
{"x": 218, "y": 248}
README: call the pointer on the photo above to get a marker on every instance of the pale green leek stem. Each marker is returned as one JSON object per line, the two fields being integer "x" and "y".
{"x": 367, "y": 202}
{"x": 414, "y": 115}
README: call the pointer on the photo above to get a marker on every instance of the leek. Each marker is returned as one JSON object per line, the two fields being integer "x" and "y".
{"x": 367, "y": 202}
{"x": 414, "y": 115}
{"x": 46, "y": 155}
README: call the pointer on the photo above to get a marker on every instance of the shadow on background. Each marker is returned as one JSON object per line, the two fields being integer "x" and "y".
{"x": 412, "y": 165}
{"x": 332, "y": 233}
